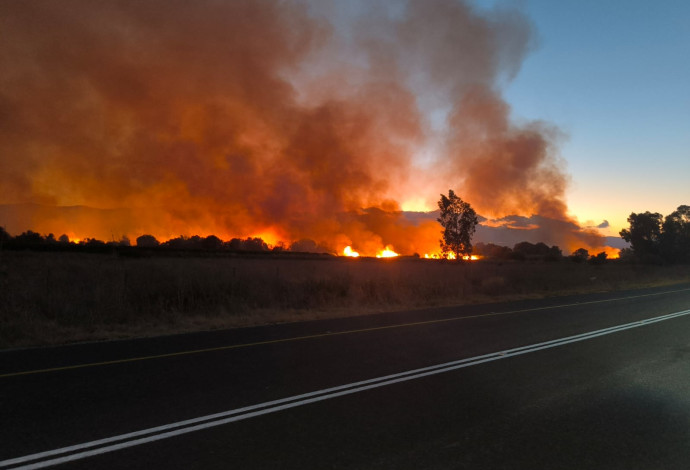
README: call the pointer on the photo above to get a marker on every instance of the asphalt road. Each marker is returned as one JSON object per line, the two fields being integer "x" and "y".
{"x": 349, "y": 393}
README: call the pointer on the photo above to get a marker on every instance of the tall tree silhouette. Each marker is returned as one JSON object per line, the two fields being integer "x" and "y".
{"x": 459, "y": 222}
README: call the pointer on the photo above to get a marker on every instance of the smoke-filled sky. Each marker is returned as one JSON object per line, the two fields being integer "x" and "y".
{"x": 298, "y": 119}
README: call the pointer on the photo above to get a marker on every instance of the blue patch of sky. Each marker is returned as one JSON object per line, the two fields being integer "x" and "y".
{"x": 614, "y": 75}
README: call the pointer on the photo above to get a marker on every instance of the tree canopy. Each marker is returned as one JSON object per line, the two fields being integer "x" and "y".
{"x": 675, "y": 236}
{"x": 644, "y": 232}
{"x": 459, "y": 222}
{"x": 654, "y": 237}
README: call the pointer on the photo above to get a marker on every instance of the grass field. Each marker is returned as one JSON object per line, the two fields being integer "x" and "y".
{"x": 49, "y": 298}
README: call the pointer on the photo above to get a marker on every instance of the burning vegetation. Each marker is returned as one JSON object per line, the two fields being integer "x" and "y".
{"x": 233, "y": 119}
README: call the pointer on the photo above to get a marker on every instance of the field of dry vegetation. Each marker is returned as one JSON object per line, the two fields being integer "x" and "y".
{"x": 48, "y": 298}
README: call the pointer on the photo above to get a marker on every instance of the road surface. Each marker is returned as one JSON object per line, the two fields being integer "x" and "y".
{"x": 592, "y": 381}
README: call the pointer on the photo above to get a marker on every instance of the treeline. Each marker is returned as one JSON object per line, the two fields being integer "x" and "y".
{"x": 34, "y": 240}
{"x": 656, "y": 239}
{"x": 526, "y": 251}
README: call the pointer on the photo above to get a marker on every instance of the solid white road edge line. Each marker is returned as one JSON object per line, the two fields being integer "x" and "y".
{"x": 226, "y": 417}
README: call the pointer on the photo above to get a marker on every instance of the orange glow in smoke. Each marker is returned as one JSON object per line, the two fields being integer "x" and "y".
{"x": 269, "y": 237}
{"x": 611, "y": 253}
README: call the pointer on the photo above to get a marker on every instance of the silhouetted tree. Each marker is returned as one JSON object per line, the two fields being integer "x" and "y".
{"x": 554, "y": 254}
{"x": 491, "y": 250}
{"x": 626, "y": 254}
{"x": 524, "y": 248}
{"x": 249, "y": 244}
{"x": 538, "y": 251}
{"x": 195, "y": 242}
{"x": 147, "y": 241}
{"x": 580, "y": 255}
{"x": 644, "y": 233}
{"x": 177, "y": 243}
{"x": 599, "y": 258}
{"x": 4, "y": 236}
{"x": 92, "y": 243}
{"x": 254, "y": 244}
{"x": 212, "y": 243}
{"x": 530, "y": 250}
{"x": 63, "y": 239}
{"x": 675, "y": 235}
{"x": 459, "y": 223}
{"x": 29, "y": 238}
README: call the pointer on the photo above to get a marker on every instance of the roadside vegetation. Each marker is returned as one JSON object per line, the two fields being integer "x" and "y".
{"x": 57, "y": 297}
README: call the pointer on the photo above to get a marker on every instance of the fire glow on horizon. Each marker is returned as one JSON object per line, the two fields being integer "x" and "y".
{"x": 251, "y": 129}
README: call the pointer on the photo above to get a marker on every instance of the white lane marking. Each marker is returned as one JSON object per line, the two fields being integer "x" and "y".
{"x": 218, "y": 419}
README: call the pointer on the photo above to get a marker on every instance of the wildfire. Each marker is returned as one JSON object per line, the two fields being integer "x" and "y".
{"x": 387, "y": 253}
{"x": 360, "y": 167}
{"x": 348, "y": 251}
{"x": 451, "y": 256}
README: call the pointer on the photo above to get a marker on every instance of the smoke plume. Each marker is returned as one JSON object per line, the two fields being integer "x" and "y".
{"x": 267, "y": 118}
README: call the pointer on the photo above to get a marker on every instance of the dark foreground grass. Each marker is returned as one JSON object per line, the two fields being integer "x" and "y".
{"x": 49, "y": 298}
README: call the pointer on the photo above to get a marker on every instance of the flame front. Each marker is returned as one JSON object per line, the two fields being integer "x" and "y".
{"x": 451, "y": 256}
{"x": 387, "y": 253}
{"x": 348, "y": 251}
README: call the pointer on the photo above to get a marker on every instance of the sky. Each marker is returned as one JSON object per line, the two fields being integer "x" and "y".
{"x": 614, "y": 77}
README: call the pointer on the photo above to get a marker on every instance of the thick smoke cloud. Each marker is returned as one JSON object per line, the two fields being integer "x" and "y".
{"x": 244, "y": 118}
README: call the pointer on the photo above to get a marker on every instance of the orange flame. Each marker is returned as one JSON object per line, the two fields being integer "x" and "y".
{"x": 348, "y": 251}
{"x": 387, "y": 253}
{"x": 451, "y": 256}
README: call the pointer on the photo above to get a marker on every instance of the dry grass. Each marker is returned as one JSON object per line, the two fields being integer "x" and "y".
{"x": 48, "y": 298}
